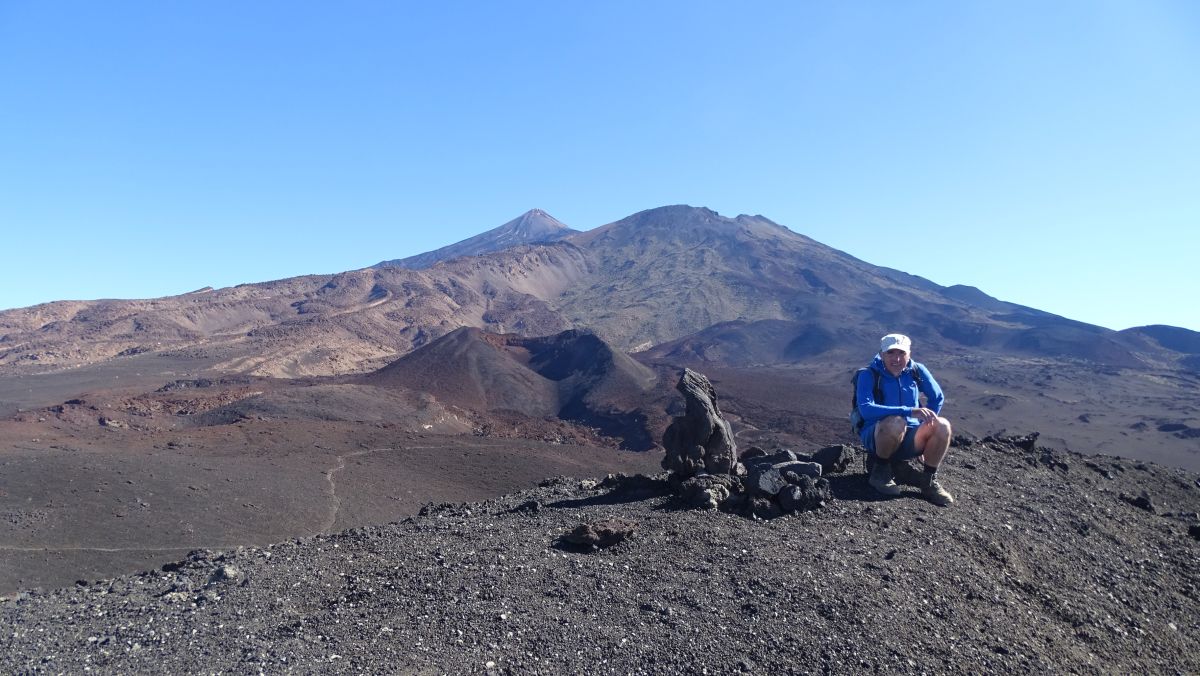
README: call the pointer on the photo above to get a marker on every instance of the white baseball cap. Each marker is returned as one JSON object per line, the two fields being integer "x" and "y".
{"x": 895, "y": 341}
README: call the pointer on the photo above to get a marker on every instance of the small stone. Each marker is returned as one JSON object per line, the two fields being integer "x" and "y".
{"x": 600, "y": 534}
{"x": 226, "y": 574}
{"x": 1142, "y": 501}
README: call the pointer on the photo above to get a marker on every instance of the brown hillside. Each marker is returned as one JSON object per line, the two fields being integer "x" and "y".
{"x": 572, "y": 375}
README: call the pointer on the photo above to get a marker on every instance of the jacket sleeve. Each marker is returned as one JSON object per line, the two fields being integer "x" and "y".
{"x": 933, "y": 392}
{"x": 870, "y": 409}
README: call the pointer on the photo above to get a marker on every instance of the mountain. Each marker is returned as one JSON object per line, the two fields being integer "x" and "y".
{"x": 654, "y": 277}
{"x": 573, "y": 375}
{"x": 666, "y": 273}
{"x": 532, "y": 227}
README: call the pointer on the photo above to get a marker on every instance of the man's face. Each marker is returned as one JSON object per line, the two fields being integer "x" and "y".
{"x": 895, "y": 360}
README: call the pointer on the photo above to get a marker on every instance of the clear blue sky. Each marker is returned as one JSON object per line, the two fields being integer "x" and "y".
{"x": 1045, "y": 152}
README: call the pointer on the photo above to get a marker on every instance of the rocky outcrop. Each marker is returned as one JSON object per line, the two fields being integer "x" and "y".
{"x": 705, "y": 475}
{"x": 701, "y": 440}
{"x": 781, "y": 482}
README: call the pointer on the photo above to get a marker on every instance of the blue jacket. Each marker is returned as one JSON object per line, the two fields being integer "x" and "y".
{"x": 899, "y": 394}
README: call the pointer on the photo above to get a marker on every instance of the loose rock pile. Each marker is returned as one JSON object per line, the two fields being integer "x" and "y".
{"x": 704, "y": 474}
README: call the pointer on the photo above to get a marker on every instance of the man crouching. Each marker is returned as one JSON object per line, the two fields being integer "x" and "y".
{"x": 896, "y": 427}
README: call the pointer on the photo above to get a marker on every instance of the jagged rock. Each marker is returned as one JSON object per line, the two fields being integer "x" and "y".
{"x": 175, "y": 596}
{"x": 765, "y": 481}
{"x": 808, "y": 494}
{"x": 779, "y": 455}
{"x": 527, "y": 507}
{"x": 1051, "y": 460}
{"x": 1025, "y": 443}
{"x": 708, "y": 491}
{"x": 800, "y": 468}
{"x": 751, "y": 453}
{"x": 1194, "y": 531}
{"x": 701, "y": 439}
{"x": 962, "y": 440}
{"x": 764, "y": 508}
{"x": 226, "y": 574}
{"x": 635, "y": 487}
{"x": 835, "y": 459}
{"x": 1100, "y": 470}
{"x": 1142, "y": 501}
{"x": 600, "y": 534}
{"x": 700, "y": 458}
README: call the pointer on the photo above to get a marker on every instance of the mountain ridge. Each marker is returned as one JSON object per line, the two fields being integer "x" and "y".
{"x": 618, "y": 279}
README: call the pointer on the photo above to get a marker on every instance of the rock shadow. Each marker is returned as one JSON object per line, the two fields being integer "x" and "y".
{"x": 624, "y": 489}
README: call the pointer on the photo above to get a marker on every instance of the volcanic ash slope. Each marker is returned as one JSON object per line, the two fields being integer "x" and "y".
{"x": 1048, "y": 563}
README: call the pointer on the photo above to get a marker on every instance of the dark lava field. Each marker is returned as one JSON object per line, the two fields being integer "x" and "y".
{"x": 1048, "y": 563}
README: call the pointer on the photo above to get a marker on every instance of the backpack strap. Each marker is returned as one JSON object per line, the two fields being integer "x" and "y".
{"x": 916, "y": 375}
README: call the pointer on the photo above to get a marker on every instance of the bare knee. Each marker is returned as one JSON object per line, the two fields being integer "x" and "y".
{"x": 942, "y": 426}
{"x": 893, "y": 426}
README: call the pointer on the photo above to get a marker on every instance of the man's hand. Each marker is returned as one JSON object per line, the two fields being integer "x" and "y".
{"x": 924, "y": 415}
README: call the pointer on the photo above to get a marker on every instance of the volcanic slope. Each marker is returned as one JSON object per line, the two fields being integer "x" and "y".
{"x": 350, "y": 322}
{"x": 1048, "y": 563}
{"x": 666, "y": 273}
{"x": 532, "y": 227}
{"x": 573, "y": 375}
{"x": 656, "y": 276}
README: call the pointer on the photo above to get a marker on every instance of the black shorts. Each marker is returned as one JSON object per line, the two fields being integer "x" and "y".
{"x": 908, "y": 447}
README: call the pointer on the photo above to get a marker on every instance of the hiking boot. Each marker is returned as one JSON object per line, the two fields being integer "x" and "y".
{"x": 931, "y": 490}
{"x": 881, "y": 479}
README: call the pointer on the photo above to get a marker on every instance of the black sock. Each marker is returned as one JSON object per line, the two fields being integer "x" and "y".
{"x": 930, "y": 470}
{"x": 883, "y": 461}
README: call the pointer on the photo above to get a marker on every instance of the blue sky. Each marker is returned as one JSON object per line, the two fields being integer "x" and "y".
{"x": 1045, "y": 152}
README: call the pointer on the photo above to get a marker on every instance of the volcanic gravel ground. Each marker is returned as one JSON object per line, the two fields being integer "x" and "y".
{"x": 1048, "y": 563}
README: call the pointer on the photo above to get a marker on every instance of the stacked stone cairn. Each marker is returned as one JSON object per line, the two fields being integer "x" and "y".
{"x": 706, "y": 472}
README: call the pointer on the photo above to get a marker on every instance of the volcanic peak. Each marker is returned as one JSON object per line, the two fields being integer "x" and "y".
{"x": 532, "y": 227}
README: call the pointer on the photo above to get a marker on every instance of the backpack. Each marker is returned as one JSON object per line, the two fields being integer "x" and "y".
{"x": 856, "y": 419}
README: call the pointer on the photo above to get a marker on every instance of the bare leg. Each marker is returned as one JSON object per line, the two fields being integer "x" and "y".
{"x": 933, "y": 440}
{"x": 889, "y": 434}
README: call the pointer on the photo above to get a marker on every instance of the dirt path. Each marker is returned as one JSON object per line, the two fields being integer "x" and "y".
{"x": 335, "y": 503}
